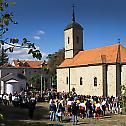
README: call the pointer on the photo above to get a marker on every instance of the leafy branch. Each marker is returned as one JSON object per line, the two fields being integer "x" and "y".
{"x": 5, "y": 19}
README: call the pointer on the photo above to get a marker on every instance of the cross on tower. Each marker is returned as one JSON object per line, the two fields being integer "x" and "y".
{"x": 73, "y": 17}
{"x": 119, "y": 40}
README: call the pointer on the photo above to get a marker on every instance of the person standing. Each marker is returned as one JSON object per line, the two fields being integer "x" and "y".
{"x": 31, "y": 107}
{"x": 52, "y": 109}
{"x": 74, "y": 110}
{"x": 88, "y": 108}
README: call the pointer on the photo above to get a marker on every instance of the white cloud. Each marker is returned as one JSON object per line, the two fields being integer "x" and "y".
{"x": 44, "y": 55}
{"x": 38, "y": 34}
{"x": 22, "y": 54}
{"x": 36, "y": 37}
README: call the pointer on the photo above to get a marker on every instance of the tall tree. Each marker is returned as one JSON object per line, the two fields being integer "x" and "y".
{"x": 35, "y": 81}
{"x": 3, "y": 57}
{"x": 6, "y": 17}
{"x": 54, "y": 60}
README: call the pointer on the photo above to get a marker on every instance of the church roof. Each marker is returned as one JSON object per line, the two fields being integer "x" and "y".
{"x": 107, "y": 54}
{"x": 73, "y": 24}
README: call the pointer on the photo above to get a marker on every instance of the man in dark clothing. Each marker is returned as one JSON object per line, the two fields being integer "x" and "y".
{"x": 74, "y": 110}
{"x": 31, "y": 107}
{"x": 52, "y": 109}
{"x": 88, "y": 108}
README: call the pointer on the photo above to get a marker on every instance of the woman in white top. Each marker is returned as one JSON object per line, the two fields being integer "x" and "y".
{"x": 98, "y": 109}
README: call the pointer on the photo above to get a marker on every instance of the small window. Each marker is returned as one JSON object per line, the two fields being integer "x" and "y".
{"x": 77, "y": 39}
{"x": 81, "y": 81}
{"x": 95, "y": 81}
{"x": 66, "y": 80}
{"x": 68, "y": 40}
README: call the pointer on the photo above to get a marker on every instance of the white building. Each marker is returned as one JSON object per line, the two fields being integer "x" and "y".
{"x": 13, "y": 77}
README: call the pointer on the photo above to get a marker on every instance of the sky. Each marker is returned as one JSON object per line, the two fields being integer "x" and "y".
{"x": 43, "y": 23}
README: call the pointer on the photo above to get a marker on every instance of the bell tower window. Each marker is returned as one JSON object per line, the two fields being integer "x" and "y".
{"x": 77, "y": 39}
{"x": 68, "y": 40}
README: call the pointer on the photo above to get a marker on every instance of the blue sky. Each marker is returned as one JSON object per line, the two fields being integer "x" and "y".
{"x": 43, "y": 22}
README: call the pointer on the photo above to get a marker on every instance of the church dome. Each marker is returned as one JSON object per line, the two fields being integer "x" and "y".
{"x": 73, "y": 24}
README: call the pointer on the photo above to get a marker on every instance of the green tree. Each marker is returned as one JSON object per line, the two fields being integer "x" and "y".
{"x": 3, "y": 57}
{"x": 123, "y": 95}
{"x": 6, "y": 17}
{"x": 123, "y": 90}
{"x": 35, "y": 81}
{"x": 54, "y": 60}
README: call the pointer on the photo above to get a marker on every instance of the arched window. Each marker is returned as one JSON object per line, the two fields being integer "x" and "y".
{"x": 68, "y": 40}
{"x": 81, "y": 81}
{"x": 95, "y": 81}
{"x": 66, "y": 80}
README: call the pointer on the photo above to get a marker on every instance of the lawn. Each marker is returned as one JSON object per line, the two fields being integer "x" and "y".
{"x": 19, "y": 117}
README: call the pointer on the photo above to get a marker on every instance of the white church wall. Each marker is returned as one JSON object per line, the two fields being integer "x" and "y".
{"x": 111, "y": 80}
{"x": 87, "y": 74}
{"x": 123, "y": 75}
{"x": 62, "y": 74}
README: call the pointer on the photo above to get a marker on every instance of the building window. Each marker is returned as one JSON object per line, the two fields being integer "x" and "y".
{"x": 95, "y": 81}
{"x": 77, "y": 39}
{"x": 68, "y": 40}
{"x": 66, "y": 80}
{"x": 81, "y": 81}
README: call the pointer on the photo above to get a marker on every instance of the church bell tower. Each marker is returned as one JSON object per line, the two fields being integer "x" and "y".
{"x": 73, "y": 38}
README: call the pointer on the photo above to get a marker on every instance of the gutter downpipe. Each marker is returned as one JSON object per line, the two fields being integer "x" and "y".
{"x": 69, "y": 79}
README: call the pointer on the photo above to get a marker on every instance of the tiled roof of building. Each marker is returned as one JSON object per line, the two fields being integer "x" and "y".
{"x": 107, "y": 54}
{"x": 6, "y": 65}
{"x": 29, "y": 64}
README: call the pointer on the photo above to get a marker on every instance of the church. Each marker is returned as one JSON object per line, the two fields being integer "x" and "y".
{"x": 97, "y": 72}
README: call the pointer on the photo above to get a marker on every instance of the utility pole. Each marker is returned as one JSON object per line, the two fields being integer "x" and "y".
{"x": 41, "y": 85}
{"x": 44, "y": 84}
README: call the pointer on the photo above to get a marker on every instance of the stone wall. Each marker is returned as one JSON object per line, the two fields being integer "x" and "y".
{"x": 111, "y": 80}
{"x": 87, "y": 73}
{"x": 123, "y": 75}
{"x": 62, "y": 74}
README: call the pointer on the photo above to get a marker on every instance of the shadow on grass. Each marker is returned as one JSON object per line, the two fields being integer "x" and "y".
{"x": 16, "y": 116}
{"x": 11, "y": 112}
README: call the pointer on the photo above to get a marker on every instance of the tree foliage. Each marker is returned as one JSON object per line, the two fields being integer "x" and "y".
{"x": 35, "y": 81}
{"x": 123, "y": 90}
{"x": 6, "y": 18}
{"x": 54, "y": 60}
{"x": 3, "y": 57}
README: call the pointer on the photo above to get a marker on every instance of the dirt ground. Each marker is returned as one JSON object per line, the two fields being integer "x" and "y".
{"x": 19, "y": 117}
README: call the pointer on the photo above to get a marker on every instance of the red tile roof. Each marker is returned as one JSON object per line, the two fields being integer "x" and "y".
{"x": 29, "y": 64}
{"x": 106, "y": 54}
{"x": 6, "y": 65}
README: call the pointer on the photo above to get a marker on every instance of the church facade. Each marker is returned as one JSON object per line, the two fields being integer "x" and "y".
{"x": 98, "y": 71}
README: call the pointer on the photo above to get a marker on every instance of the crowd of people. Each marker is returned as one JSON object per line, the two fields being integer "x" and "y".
{"x": 22, "y": 99}
{"x": 73, "y": 105}
{"x": 62, "y": 104}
